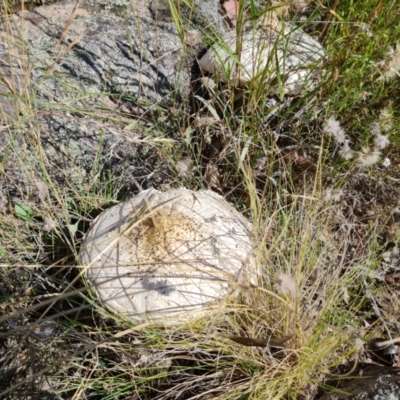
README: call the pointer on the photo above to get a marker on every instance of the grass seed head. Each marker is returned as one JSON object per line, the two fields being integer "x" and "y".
{"x": 375, "y": 128}
{"x": 368, "y": 156}
{"x": 381, "y": 142}
{"x": 285, "y": 284}
{"x": 385, "y": 119}
{"x": 49, "y": 224}
{"x": 334, "y": 195}
{"x": 345, "y": 151}
{"x": 390, "y": 67}
{"x": 333, "y": 128}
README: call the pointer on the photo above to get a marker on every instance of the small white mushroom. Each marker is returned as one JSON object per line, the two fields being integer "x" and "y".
{"x": 167, "y": 257}
{"x": 276, "y": 53}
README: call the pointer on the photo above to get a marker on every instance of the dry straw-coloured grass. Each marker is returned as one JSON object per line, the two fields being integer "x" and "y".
{"x": 323, "y": 222}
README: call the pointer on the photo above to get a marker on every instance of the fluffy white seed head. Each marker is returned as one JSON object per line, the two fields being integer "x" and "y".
{"x": 345, "y": 151}
{"x": 285, "y": 284}
{"x": 391, "y": 66}
{"x": 368, "y": 156}
{"x": 333, "y": 128}
{"x": 381, "y": 142}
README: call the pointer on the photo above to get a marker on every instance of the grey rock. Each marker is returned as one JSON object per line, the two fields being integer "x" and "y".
{"x": 203, "y": 14}
{"x": 375, "y": 383}
{"x": 79, "y": 101}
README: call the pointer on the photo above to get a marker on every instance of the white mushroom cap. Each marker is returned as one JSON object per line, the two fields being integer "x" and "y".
{"x": 167, "y": 257}
{"x": 270, "y": 52}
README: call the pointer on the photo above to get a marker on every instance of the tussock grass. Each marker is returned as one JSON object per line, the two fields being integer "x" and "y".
{"x": 323, "y": 221}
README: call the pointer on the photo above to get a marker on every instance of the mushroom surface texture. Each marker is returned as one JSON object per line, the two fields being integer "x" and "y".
{"x": 276, "y": 53}
{"x": 167, "y": 257}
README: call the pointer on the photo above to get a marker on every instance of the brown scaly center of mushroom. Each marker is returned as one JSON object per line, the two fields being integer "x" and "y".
{"x": 166, "y": 238}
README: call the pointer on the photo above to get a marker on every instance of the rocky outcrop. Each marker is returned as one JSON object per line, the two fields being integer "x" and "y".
{"x": 88, "y": 91}
{"x": 375, "y": 383}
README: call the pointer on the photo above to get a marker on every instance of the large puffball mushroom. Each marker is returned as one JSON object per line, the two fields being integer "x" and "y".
{"x": 169, "y": 256}
{"x": 277, "y": 53}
